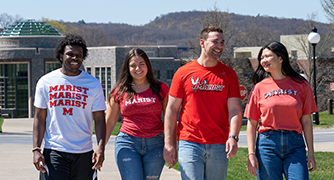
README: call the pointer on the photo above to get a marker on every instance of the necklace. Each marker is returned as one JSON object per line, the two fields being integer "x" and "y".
{"x": 138, "y": 86}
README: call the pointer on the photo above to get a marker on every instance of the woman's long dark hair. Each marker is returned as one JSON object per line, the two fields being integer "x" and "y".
{"x": 123, "y": 84}
{"x": 280, "y": 50}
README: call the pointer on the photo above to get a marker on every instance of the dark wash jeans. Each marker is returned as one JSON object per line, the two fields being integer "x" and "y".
{"x": 68, "y": 166}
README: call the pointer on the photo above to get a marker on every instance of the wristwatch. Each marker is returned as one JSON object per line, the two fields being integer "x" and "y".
{"x": 234, "y": 137}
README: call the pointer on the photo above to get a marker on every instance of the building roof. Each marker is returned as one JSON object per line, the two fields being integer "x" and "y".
{"x": 30, "y": 27}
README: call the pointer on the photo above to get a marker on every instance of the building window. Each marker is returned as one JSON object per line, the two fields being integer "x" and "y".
{"x": 50, "y": 66}
{"x": 89, "y": 70}
{"x": 104, "y": 75}
{"x": 156, "y": 73}
{"x": 170, "y": 74}
{"x": 108, "y": 81}
{"x": 14, "y": 88}
{"x": 294, "y": 55}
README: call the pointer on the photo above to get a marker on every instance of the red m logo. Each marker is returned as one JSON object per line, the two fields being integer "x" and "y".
{"x": 69, "y": 111}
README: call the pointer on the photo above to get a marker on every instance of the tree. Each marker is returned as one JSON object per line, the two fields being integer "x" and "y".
{"x": 215, "y": 17}
{"x": 328, "y": 6}
{"x": 323, "y": 48}
{"x": 256, "y": 36}
{"x": 92, "y": 35}
{"x": 7, "y": 20}
{"x": 59, "y": 26}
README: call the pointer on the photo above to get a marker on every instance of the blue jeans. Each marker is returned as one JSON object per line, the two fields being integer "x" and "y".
{"x": 139, "y": 158}
{"x": 202, "y": 161}
{"x": 281, "y": 152}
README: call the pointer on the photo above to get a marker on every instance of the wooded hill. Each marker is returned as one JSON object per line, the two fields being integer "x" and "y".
{"x": 179, "y": 27}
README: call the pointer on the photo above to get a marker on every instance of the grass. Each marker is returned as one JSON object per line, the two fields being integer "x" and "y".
{"x": 114, "y": 132}
{"x": 1, "y": 121}
{"x": 326, "y": 120}
{"x": 237, "y": 169}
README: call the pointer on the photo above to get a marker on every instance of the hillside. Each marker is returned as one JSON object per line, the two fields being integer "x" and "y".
{"x": 178, "y": 27}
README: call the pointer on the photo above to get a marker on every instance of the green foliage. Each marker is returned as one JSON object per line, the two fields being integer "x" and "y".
{"x": 1, "y": 121}
{"x": 59, "y": 26}
{"x": 116, "y": 129}
{"x": 114, "y": 132}
{"x": 326, "y": 120}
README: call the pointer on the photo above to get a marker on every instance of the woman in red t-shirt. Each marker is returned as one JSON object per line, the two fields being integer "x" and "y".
{"x": 141, "y": 99}
{"x": 282, "y": 102}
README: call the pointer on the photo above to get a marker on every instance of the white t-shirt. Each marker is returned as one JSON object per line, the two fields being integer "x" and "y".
{"x": 70, "y": 102}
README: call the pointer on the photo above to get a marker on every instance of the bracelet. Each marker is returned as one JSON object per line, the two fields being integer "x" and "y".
{"x": 251, "y": 153}
{"x": 36, "y": 149}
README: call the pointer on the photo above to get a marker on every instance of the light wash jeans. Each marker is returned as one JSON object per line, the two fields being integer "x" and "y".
{"x": 139, "y": 158}
{"x": 281, "y": 152}
{"x": 202, "y": 161}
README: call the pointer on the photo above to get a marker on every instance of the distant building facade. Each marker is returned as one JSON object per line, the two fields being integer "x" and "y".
{"x": 26, "y": 54}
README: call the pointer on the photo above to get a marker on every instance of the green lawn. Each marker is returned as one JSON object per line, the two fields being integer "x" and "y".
{"x": 1, "y": 121}
{"x": 237, "y": 169}
{"x": 238, "y": 164}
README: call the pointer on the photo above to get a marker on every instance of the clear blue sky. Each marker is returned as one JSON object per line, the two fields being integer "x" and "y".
{"x": 140, "y": 12}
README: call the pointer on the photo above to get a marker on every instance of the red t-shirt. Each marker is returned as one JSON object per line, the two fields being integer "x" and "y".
{"x": 280, "y": 104}
{"x": 141, "y": 115}
{"x": 204, "y": 92}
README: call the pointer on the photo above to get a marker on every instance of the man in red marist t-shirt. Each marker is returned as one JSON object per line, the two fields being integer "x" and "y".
{"x": 208, "y": 91}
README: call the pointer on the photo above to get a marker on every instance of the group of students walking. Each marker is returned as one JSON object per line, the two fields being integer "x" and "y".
{"x": 201, "y": 117}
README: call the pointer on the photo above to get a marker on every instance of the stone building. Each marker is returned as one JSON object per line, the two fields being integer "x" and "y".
{"x": 27, "y": 53}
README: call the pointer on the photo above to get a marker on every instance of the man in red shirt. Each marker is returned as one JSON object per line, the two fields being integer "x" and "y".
{"x": 208, "y": 91}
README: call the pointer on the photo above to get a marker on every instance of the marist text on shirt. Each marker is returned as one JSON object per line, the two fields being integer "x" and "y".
{"x": 68, "y": 95}
{"x": 280, "y": 92}
{"x": 140, "y": 100}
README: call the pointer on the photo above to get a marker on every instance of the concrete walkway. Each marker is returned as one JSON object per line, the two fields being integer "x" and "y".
{"x": 16, "y": 155}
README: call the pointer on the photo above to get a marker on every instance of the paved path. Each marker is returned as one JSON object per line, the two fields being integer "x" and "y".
{"x": 16, "y": 156}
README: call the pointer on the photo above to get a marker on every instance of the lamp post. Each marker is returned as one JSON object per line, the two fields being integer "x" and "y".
{"x": 314, "y": 38}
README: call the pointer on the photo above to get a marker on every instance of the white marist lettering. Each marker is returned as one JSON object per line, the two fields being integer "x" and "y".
{"x": 127, "y": 102}
{"x": 267, "y": 95}
{"x": 281, "y": 92}
{"x": 275, "y": 93}
{"x": 140, "y": 100}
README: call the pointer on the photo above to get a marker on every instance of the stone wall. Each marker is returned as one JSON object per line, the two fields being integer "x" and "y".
{"x": 29, "y": 41}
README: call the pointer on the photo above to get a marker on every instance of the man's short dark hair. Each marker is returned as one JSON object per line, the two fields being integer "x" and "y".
{"x": 70, "y": 39}
{"x": 207, "y": 30}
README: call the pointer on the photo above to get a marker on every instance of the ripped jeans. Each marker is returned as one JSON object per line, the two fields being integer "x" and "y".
{"x": 139, "y": 158}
